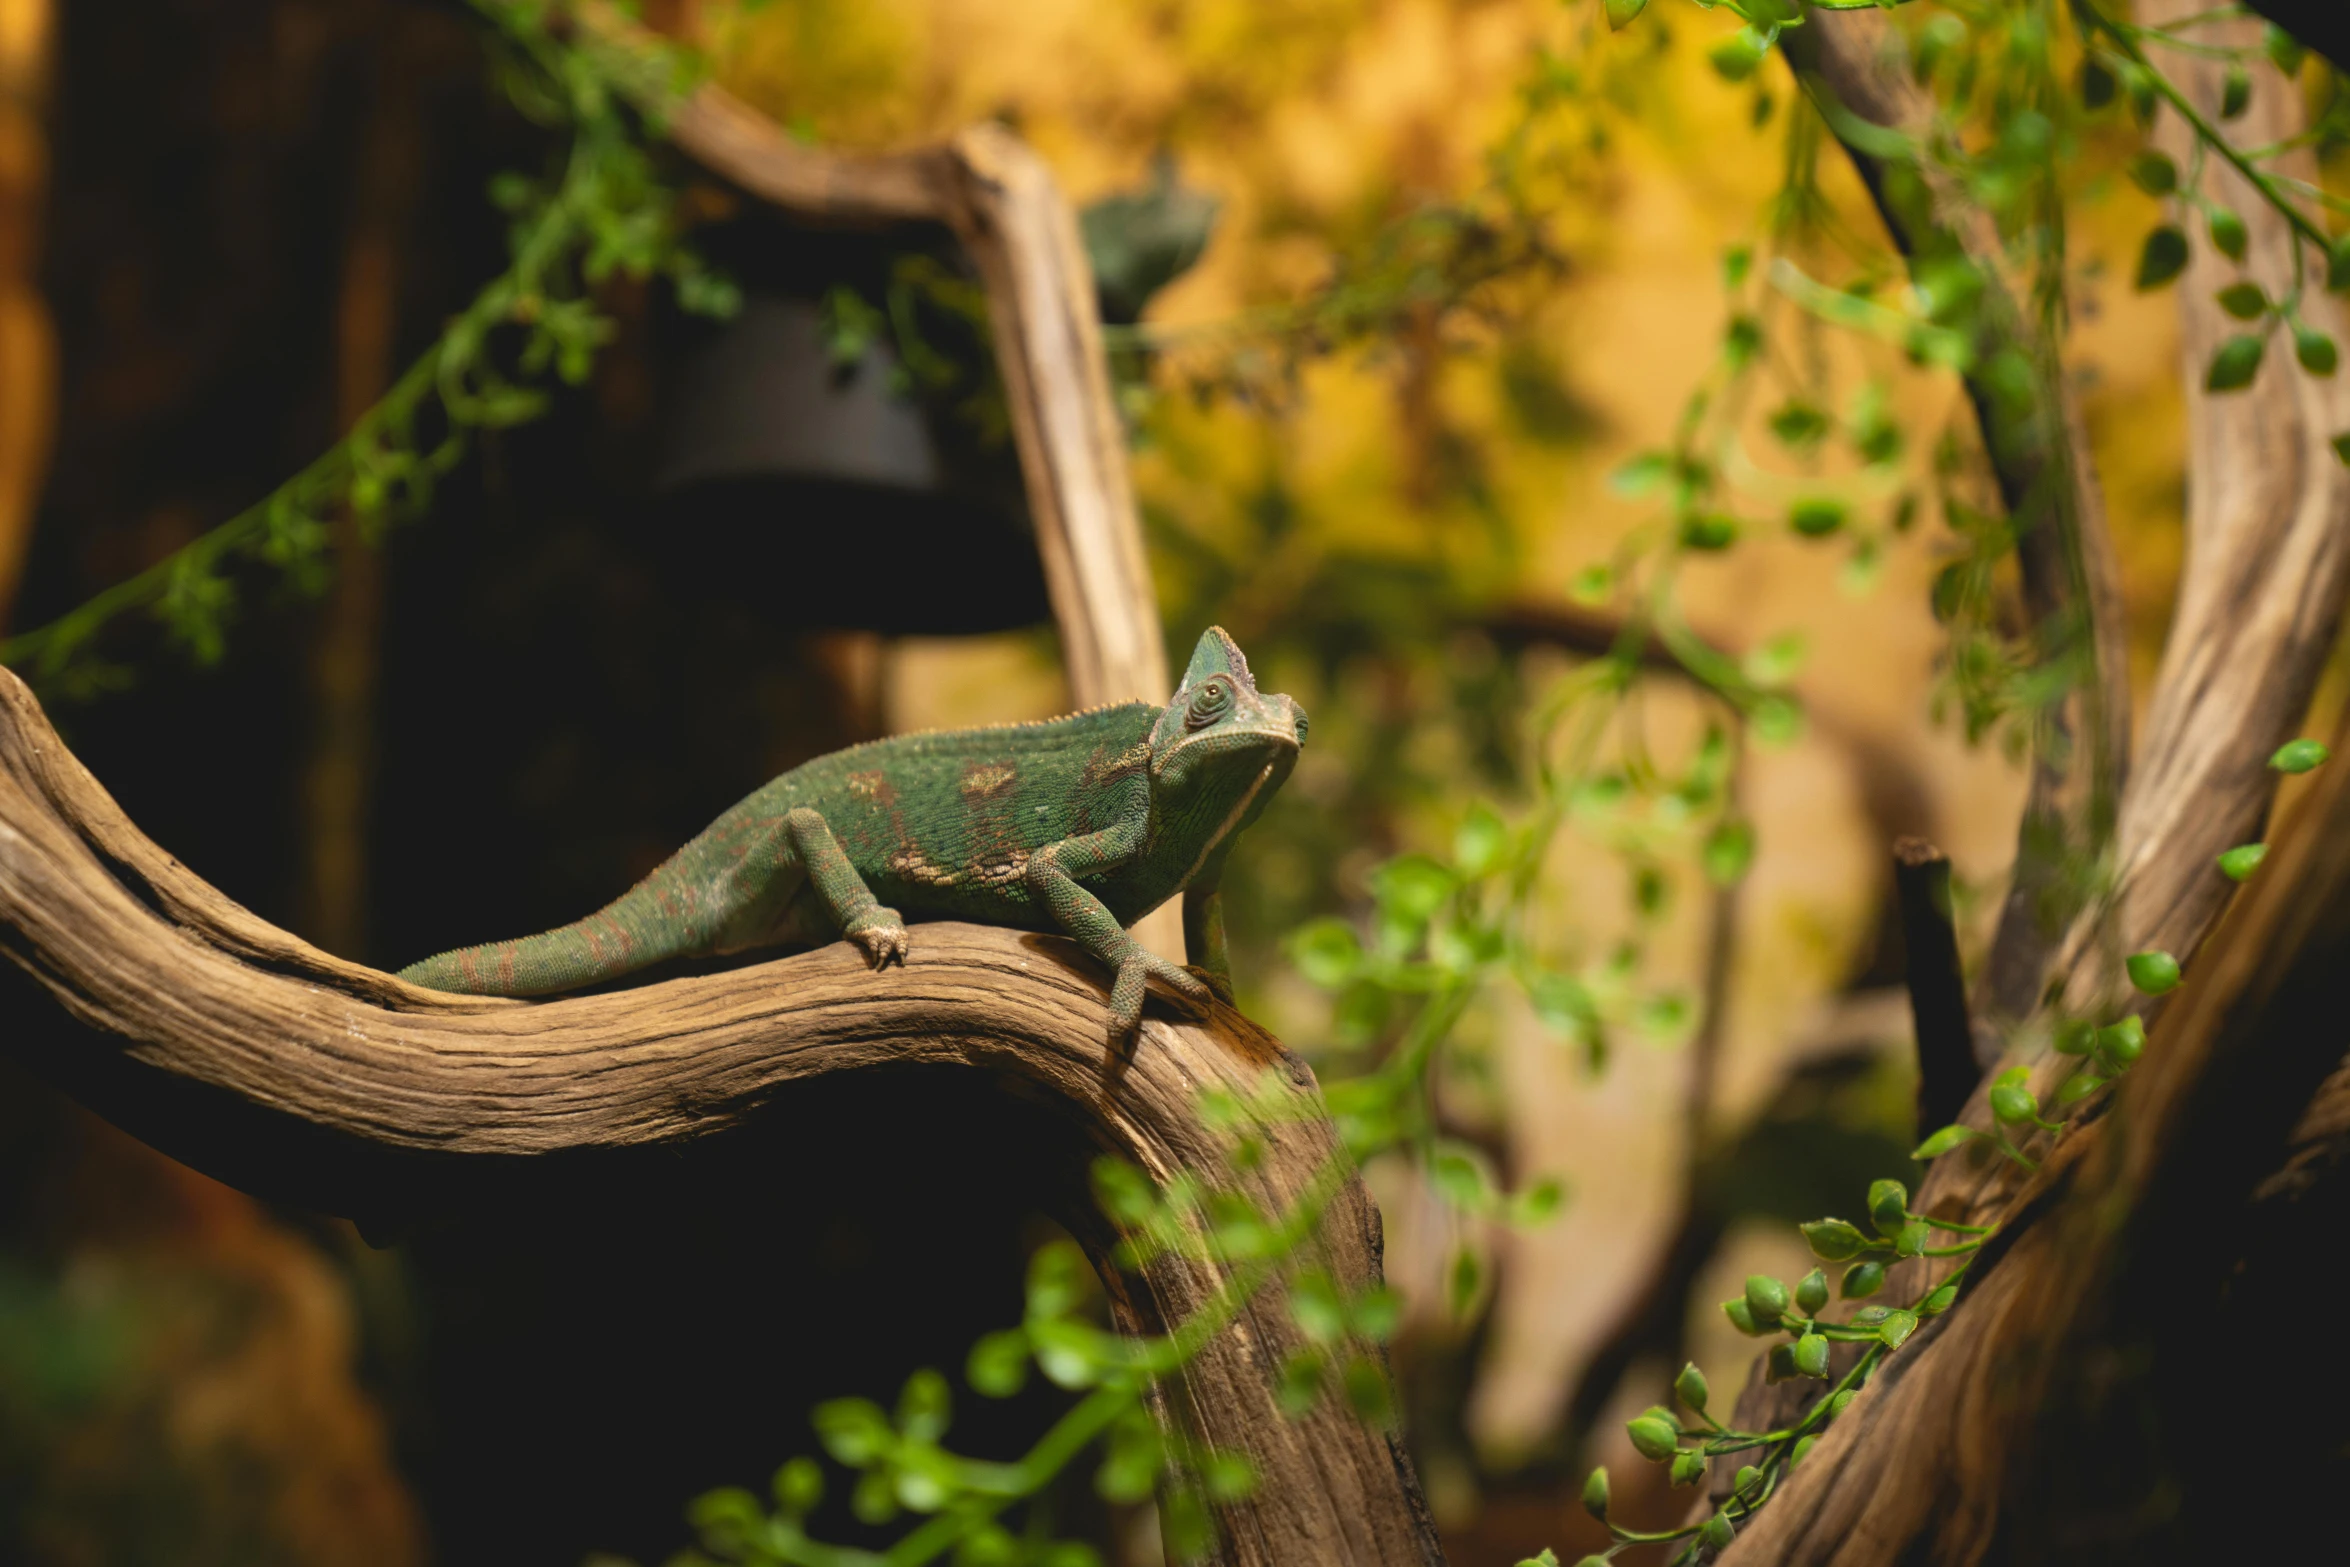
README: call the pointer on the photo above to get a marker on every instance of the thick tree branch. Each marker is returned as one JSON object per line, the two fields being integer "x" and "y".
{"x": 2267, "y": 565}
{"x": 261, "y": 1060}
{"x": 1922, "y": 1466}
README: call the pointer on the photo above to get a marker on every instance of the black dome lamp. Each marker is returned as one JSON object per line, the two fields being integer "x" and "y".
{"x": 818, "y": 481}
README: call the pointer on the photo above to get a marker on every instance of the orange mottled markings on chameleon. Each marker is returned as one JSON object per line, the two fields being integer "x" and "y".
{"x": 915, "y": 866}
{"x": 873, "y": 786}
{"x": 986, "y": 780}
{"x": 506, "y": 966}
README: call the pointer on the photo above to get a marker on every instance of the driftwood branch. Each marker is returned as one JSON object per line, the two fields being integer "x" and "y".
{"x": 2240, "y": 1084}
{"x": 2268, "y": 562}
{"x": 261, "y": 1060}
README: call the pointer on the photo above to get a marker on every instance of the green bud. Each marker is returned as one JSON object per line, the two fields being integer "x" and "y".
{"x": 1690, "y": 1387}
{"x": 2235, "y": 91}
{"x": 1938, "y": 1302}
{"x": 1766, "y": 1297}
{"x": 1812, "y": 1293}
{"x": 1708, "y": 531}
{"x": 2228, "y": 234}
{"x": 2153, "y": 972}
{"x": 1742, "y": 1317}
{"x": 1870, "y": 1316}
{"x": 1653, "y": 1439}
{"x": 1595, "y": 1494}
{"x": 1779, "y": 1365}
{"x": 1716, "y": 1534}
{"x": 1911, "y": 1242}
{"x": 1888, "y": 1206}
{"x": 2075, "y": 1036}
{"x": 2241, "y": 861}
{"x": 1803, "y": 1447}
{"x": 1833, "y": 1240}
{"x": 1939, "y": 1144}
{"x": 2123, "y": 1042}
{"x": 1688, "y": 1467}
{"x": 1863, "y": 1279}
{"x": 2079, "y": 1086}
{"x": 2298, "y": 756}
{"x": 2012, "y": 1102}
{"x": 1811, "y": 1355}
{"x": 1746, "y": 1479}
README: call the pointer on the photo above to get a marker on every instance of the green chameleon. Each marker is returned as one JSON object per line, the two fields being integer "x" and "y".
{"x": 1081, "y": 824}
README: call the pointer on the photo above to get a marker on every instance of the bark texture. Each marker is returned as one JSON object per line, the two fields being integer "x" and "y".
{"x": 259, "y": 1059}
{"x": 1916, "y": 1469}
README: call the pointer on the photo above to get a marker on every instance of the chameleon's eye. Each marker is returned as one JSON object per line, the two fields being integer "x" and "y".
{"x": 1211, "y": 702}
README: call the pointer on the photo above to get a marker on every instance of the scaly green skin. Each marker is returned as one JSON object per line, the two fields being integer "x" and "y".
{"x": 1081, "y": 824}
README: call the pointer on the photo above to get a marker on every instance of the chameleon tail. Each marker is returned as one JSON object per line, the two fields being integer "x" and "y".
{"x": 635, "y": 930}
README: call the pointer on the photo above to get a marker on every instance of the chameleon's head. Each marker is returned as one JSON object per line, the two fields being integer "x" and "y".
{"x": 1220, "y": 734}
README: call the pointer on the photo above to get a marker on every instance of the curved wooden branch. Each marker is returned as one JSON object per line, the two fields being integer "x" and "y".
{"x": 2238, "y": 1083}
{"x": 2268, "y": 568}
{"x": 261, "y": 1060}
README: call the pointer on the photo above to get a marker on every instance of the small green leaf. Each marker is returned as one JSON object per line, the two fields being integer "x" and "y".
{"x": 1911, "y": 1242}
{"x": 1689, "y": 1387}
{"x": 2241, "y": 861}
{"x": 1735, "y": 58}
{"x": 2075, "y": 1036}
{"x": 1367, "y": 1393}
{"x": 1811, "y": 1292}
{"x": 1888, "y": 1206}
{"x": 2283, "y": 49}
{"x": 1619, "y": 16}
{"x": 1741, "y": 1317}
{"x": 1766, "y": 1297}
{"x": 1300, "y": 1387}
{"x": 1549, "y": 1557}
{"x": 1863, "y": 1279}
{"x": 2119, "y": 1044}
{"x": 2153, "y": 973}
{"x": 2079, "y": 1086}
{"x": 1592, "y": 585}
{"x": 2154, "y": 173}
{"x": 1715, "y": 1534}
{"x": 1467, "y": 1274}
{"x": 1833, "y": 1240}
{"x": 1729, "y": 850}
{"x": 1483, "y": 841}
{"x": 2235, "y": 92}
{"x": 2163, "y": 258}
{"x": 2097, "y": 84}
{"x": 1595, "y": 1493}
{"x": 2315, "y": 350}
{"x": 1708, "y": 531}
{"x": 2228, "y": 234}
{"x": 2338, "y": 265}
{"x": 1897, "y": 1328}
{"x": 2245, "y": 301}
{"x": 1811, "y": 1355}
{"x": 2341, "y": 446}
{"x": 1941, "y": 1143}
{"x": 998, "y": 1364}
{"x": 2299, "y": 756}
{"x": 2014, "y": 1104}
{"x": 2236, "y": 363}
{"x": 1938, "y": 1302}
{"x": 1817, "y": 517}
{"x": 1654, "y": 1439}
{"x": 853, "y": 1430}
{"x": 1688, "y": 1467}
{"x": 1777, "y": 720}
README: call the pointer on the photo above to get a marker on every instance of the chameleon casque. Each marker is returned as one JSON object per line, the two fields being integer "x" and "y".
{"x": 1080, "y": 825}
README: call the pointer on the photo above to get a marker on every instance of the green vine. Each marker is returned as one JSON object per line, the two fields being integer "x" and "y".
{"x": 605, "y": 213}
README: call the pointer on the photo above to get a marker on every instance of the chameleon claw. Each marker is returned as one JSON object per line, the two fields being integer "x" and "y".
{"x": 883, "y": 936}
{"x": 1135, "y": 970}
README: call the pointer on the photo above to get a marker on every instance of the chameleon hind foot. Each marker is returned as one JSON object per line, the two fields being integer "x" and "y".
{"x": 881, "y": 933}
{"x": 1134, "y": 971}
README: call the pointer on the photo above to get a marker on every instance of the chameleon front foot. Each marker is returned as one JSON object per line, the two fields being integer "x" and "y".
{"x": 1134, "y": 971}
{"x": 882, "y": 934}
